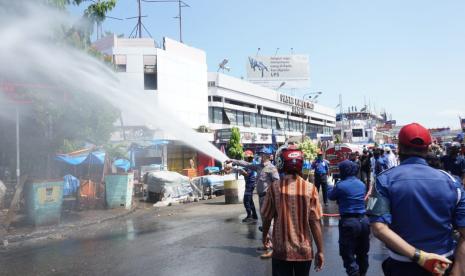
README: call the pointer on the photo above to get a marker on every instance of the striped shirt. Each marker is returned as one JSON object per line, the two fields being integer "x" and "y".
{"x": 292, "y": 204}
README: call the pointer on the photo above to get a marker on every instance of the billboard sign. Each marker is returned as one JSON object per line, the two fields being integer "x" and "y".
{"x": 272, "y": 71}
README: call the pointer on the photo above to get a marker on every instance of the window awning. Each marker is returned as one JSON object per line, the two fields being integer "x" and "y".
{"x": 231, "y": 114}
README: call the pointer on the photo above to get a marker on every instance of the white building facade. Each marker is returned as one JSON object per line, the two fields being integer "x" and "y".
{"x": 174, "y": 76}
{"x": 261, "y": 113}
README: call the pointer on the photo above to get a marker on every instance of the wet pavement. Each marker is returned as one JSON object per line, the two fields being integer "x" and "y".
{"x": 205, "y": 238}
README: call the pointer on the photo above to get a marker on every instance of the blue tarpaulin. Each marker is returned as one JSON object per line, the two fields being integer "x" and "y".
{"x": 212, "y": 169}
{"x": 122, "y": 164}
{"x": 93, "y": 158}
{"x": 70, "y": 185}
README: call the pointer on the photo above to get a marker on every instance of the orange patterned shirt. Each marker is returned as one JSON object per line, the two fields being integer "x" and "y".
{"x": 292, "y": 204}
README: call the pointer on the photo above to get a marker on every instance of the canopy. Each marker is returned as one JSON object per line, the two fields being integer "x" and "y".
{"x": 93, "y": 158}
{"x": 122, "y": 164}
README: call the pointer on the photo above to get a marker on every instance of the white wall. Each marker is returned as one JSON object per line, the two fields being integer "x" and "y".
{"x": 182, "y": 77}
{"x": 182, "y": 82}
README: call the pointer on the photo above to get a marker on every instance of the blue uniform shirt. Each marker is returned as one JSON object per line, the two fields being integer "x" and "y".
{"x": 350, "y": 195}
{"x": 320, "y": 166}
{"x": 250, "y": 180}
{"x": 423, "y": 205}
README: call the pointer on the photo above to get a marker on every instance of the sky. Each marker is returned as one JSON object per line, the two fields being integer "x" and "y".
{"x": 407, "y": 57}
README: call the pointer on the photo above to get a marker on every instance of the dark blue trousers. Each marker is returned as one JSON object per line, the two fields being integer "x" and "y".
{"x": 249, "y": 205}
{"x": 392, "y": 267}
{"x": 322, "y": 181}
{"x": 354, "y": 244}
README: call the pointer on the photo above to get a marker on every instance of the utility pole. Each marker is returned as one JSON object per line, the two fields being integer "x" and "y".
{"x": 180, "y": 20}
{"x": 181, "y": 4}
{"x": 18, "y": 170}
{"x": 139, "y": 21}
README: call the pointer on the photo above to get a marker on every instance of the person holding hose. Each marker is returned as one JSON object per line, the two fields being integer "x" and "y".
{"x": 266, "y": 174}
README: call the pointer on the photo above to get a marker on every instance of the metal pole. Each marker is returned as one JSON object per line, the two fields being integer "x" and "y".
{"x": 303, "y": 126}
{"x": 18, "y": 171}
{"x": 180, "y": 20}
{"x": 139, "y": 23}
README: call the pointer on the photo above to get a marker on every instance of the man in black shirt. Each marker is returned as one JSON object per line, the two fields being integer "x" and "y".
{"x": 365, "y": 168}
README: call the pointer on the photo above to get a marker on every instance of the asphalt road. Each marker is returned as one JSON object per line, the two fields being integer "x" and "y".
{"x": 205, "y": 238}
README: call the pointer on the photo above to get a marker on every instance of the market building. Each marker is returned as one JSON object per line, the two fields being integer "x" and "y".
{"x": 176, "y": 75}
{"x": 263, "y": 115}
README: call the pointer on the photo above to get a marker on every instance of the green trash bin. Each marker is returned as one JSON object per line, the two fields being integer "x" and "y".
{"x": 44, "y": 202}
{"x": 118, "y": 190}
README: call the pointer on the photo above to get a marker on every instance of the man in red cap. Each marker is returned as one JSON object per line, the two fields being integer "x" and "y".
{"x": 414, "y": 210}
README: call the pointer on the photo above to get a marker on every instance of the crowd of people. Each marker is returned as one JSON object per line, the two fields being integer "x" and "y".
{"x": 413, "y": 200}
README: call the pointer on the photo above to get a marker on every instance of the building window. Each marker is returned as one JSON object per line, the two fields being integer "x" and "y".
{"x": 265, "y": 122}
{"x": 253, "y": 120}
{"x": 211, "y": 84}
{"x": 217, "y": 99}
{"x": 150, "y": 73}
{"x": 274, "y": 124}
{"x": 240, "y": 118}
{"x": 217, "y": 115}
{"x": 120, "y": 63}
{"x": 247, "y": 119}
{"x": 210, "y": 114}
{"x": 357, "y": 132}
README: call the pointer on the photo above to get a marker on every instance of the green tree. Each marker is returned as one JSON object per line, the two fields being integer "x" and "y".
{"x": 94, "y": 14}
{"x": 97, "y": 11}
{"x": 116, "y": 151}
{"x": 309, "y": 149}
{"x": 235, "y": 149}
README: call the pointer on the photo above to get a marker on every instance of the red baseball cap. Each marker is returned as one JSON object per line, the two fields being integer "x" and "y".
{"x": 248, "y": 153}
{"x": 415, "y": 135}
